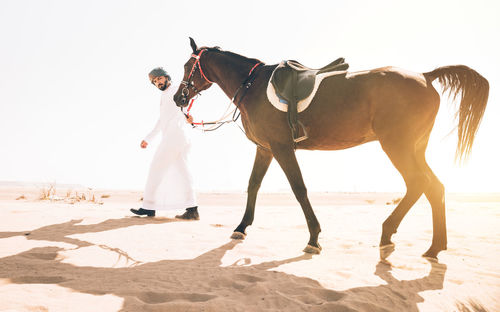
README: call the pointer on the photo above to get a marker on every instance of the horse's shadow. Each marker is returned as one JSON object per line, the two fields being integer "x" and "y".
{"x": 202, "y": 283}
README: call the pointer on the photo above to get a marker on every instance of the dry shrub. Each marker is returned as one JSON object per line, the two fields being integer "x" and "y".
{"x": 47, "y": 193}
{"x": 394, "y": 201}
{"x": 72, "y": 197}
{"x": 89, "y": 197}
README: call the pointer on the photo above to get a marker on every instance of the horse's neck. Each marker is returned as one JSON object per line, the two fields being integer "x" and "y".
{"x": 231, "y": 73}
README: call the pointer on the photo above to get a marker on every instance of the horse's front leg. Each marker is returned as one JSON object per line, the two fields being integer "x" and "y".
{"x": 285, "y": 155}
{"x": 262, "y": 161}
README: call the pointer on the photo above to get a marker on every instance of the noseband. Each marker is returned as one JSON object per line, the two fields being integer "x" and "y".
{"x": 189, "y": 82}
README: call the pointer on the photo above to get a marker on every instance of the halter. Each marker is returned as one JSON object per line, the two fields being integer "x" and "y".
{"x": 189, "y": 83}
{"x": 224, "y": 118}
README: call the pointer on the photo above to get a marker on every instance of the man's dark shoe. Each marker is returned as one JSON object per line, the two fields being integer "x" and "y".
{"x": 143, "y": 212}
{"x": 190, "y": 214}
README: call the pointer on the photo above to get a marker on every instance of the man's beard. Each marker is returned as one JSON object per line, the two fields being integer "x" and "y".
{"x": 165, "y": 86}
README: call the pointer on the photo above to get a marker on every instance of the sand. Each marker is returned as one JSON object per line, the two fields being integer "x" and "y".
{"x": 94, "y": 256}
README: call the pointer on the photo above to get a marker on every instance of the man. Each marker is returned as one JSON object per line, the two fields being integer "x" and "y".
{"x": 169, "y": 184}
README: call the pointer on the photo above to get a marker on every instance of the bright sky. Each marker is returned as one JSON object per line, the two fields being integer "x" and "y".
{"x": 75, "y": 101}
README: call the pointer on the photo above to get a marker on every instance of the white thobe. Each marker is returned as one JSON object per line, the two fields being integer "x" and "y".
{"x": 169, "y": 184}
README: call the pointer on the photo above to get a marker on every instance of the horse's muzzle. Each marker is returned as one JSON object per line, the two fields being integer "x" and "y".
{"x": 180, "y": 101}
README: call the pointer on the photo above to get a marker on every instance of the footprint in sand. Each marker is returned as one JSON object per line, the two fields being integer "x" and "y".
{"x": 154, "y": 298}
{"x": 39, "y": 279}
{"x": 326, "y": 294}
{"x": 37, "y": 308}
{"x": 314, "y": 296}
{"x": 41, "y": 256}
{"x": 248, "y": 278}
{"x": 343, "y": 274}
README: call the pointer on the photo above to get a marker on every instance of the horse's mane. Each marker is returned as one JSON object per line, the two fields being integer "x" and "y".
{"x": 238, "y": 56}
{"x": 211, "y": 49}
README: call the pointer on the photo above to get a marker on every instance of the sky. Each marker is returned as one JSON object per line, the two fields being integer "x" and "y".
{"x": 75, "y": 101}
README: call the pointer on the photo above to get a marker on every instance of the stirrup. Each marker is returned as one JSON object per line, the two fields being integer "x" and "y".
{"x": 302, "y": 138}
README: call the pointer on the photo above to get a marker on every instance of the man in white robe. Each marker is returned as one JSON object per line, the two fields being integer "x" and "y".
{"x": 169, "y": 185}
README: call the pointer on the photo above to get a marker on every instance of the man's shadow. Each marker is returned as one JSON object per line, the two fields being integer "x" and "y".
{"x": 202, "y": 283}
{"x": 61, "y": 232}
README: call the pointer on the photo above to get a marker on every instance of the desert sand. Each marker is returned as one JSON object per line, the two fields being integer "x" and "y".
{"x": 63, "y": 255}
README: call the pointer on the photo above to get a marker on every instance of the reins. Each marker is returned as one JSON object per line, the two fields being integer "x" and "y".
{"x": 224, "y": 119}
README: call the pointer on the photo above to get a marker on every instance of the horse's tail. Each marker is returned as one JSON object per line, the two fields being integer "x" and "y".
{"x": 473, "y": 89}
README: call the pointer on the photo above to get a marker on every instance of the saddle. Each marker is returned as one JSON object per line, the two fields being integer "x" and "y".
{"x": 293, "y": 82}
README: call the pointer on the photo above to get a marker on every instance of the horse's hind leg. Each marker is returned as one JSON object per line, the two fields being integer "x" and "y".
{"x": 404, "y": 157}
{"x": 263, "y": 159}
{"x": 285, "y": 156}
{"x": 435, "y": 196}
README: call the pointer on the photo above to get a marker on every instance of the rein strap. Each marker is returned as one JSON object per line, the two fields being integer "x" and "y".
{"x": 246, "y": 83}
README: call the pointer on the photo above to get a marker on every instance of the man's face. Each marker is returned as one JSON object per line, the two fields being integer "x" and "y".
{"x": 160, "y": 82}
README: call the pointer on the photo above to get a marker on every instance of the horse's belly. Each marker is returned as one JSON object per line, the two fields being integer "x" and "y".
{"x": 337, "y": 134}
{"x": 334, "y": 143}
{"x": 335, "y": 125}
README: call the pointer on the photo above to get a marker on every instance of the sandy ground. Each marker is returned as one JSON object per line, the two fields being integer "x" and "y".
{"x": 86, "y": 256}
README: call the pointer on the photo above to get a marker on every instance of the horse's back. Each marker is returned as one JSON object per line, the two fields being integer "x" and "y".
{"x": 358, "y": 107}
{"x": 402, "y": 100}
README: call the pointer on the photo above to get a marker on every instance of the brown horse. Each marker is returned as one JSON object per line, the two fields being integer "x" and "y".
{"x": 391, "y": 105}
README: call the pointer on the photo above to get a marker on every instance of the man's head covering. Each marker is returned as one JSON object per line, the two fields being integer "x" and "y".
{"x": 158, "y": 72}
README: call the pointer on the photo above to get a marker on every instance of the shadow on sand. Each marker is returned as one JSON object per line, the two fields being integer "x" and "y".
{"x": 169, "y": 284}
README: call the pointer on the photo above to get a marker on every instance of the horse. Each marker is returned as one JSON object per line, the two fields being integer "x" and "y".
{"x": 393, "y": 106}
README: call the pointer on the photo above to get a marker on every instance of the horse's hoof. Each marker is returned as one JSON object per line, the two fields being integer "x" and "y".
{"x": 430, "y": 254}
{"x": 387, "y": 246}
{"x": 433, "y": 252}
{"x": 312, "y": 250}
{"x": 238, "y": 235}
{"x": 386, "y": 251}
{"x": 385, "y": 241}
{"x": 430, "y": 257}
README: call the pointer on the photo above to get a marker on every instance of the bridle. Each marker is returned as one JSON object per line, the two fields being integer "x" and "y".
{"x": 189, "y": 82}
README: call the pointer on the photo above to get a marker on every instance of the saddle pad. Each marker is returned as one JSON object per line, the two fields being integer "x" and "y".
{"x": 302, "y": 104}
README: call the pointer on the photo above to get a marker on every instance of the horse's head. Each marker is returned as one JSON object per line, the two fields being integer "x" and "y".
{"x": 194, "y": 80}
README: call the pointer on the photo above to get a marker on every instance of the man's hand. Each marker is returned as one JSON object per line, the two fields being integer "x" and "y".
{"x": 144, "y": 144}
{"x": 189, "y": 119}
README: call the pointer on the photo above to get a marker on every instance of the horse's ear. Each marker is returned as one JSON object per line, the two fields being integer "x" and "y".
{"x": 193, "y": 44}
